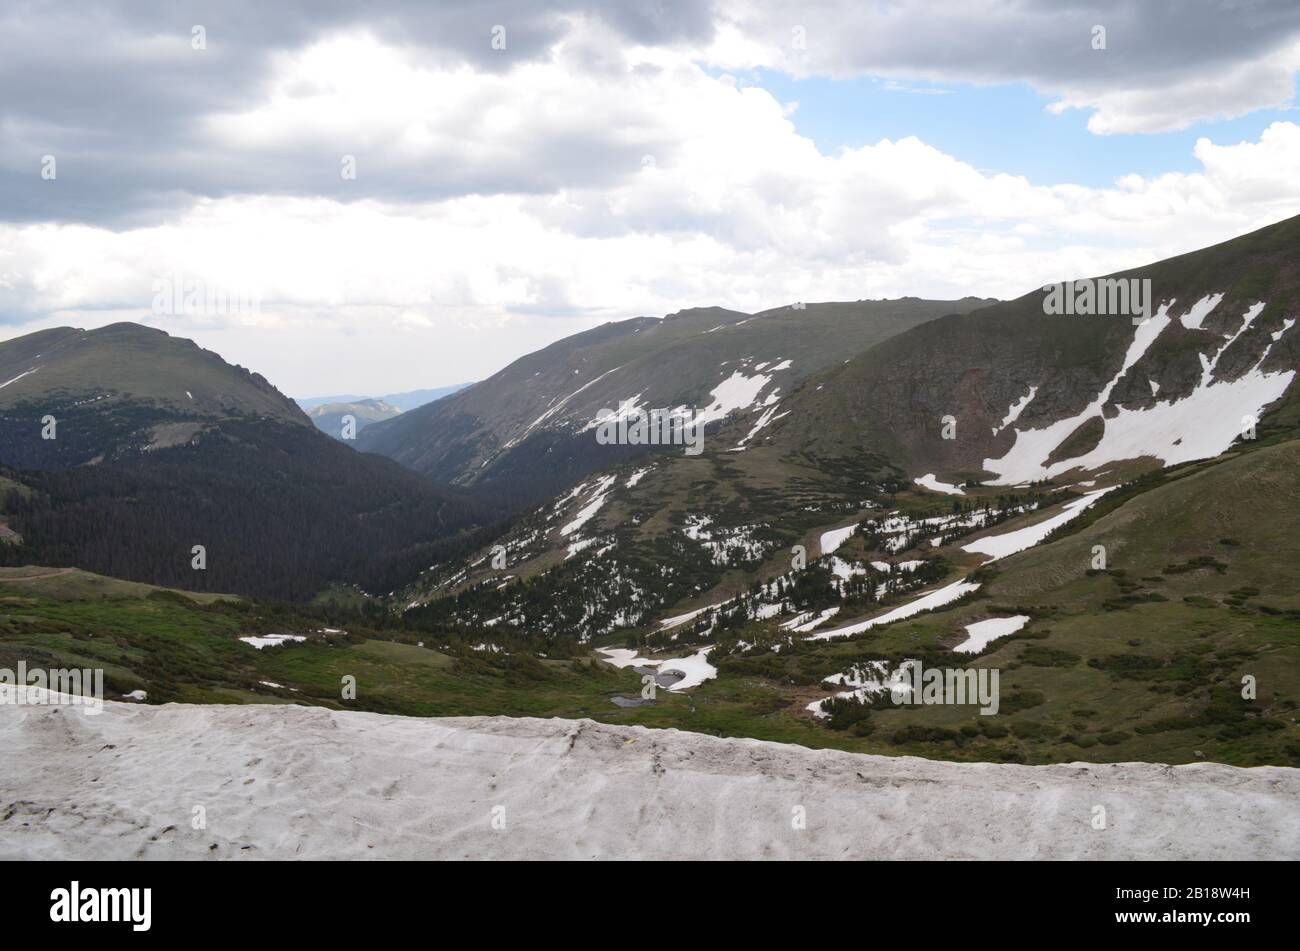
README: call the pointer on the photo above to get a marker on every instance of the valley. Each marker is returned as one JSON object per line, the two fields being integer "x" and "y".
{"x": 829, "y": 538}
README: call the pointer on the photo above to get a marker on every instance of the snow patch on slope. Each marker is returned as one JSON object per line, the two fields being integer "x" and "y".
{"x": 556, "y": 407}
{"x": 19, "y": 377}
{"x": 736, "y": 392}
{"x": 1198, "y": 426}
{"x": 1008, "y": 543}
{"x": 636, "y": 477}
{"x": 984, "y": 633}
{"x": 935, "y": 599}
{"x": 930, "y": 481}
{"x": 694, "y": 668}
{"x": 836, "y": 537}
{"x": 588, "y": 511}
{"x": 1016, "y": 409}
{"x": 1193, "y": 319}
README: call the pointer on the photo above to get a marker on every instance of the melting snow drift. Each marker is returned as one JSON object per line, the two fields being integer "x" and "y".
{"x": 295, "y": 782}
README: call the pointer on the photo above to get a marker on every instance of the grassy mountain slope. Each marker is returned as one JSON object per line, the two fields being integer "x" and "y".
{"x": 181, "y": 647}
{"x": 627, "y": 555}
{"x": 131, "y": 362}
{"x": 124, "y": 387}
{"x": 629, "y": 546}
{"x": 1144, "y": 660}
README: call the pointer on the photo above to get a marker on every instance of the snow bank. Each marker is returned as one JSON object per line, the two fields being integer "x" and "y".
{"x": 294, "y": 782}
{"x": 736, "y": 392}
{"x": 984, "y": 633}
{"x": 930, "y": 481}
{"x": 1008, "y": 543}
{"x": 669, "y": 623}
{"x": 1016, "y": 409}
{"x": 801, "y": 623}
{"x": 835, "y": 538}
{"x": 1193, "y": 319}
{"x": 270, "y": 640}
{"x": 594, "y": 504}
{"x": 694, "y": 668}
{"x": 19, "y": 377}
{"x": 928, "y": 602}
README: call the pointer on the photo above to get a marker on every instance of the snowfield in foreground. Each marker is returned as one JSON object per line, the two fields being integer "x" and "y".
{"x": 301, "y": 782}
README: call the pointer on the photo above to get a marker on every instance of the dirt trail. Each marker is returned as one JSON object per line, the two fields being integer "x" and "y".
{"x": 55, "y": 573}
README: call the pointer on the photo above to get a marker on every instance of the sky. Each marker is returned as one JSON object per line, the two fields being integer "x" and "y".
{"x": 371, "y": 198}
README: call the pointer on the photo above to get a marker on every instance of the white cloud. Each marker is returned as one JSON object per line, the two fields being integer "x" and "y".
{"x": 1226, "y": 93}
{"x": 735, "y": 209}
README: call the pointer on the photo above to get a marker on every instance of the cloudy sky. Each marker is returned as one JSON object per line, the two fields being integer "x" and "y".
{"x": 407, "y": 194}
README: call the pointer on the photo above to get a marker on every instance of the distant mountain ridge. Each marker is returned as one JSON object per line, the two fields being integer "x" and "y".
{"x": 332, "y": 418}
{"x": 524, "y": 433}
{"x": 404, "y": 401}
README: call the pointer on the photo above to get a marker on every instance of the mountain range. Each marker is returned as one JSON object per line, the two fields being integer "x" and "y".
{"x": 1101, "y": 507}
{"x": 525, "y": 433}
{"x": 408, "y": 400}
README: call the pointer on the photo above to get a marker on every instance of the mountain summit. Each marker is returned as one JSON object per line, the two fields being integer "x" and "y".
{"x": 118, "y": 388}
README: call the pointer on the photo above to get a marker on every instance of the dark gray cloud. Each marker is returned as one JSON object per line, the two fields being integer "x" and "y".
{"x": 118, "y": 96}
{"x": 1047, "y": 42}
